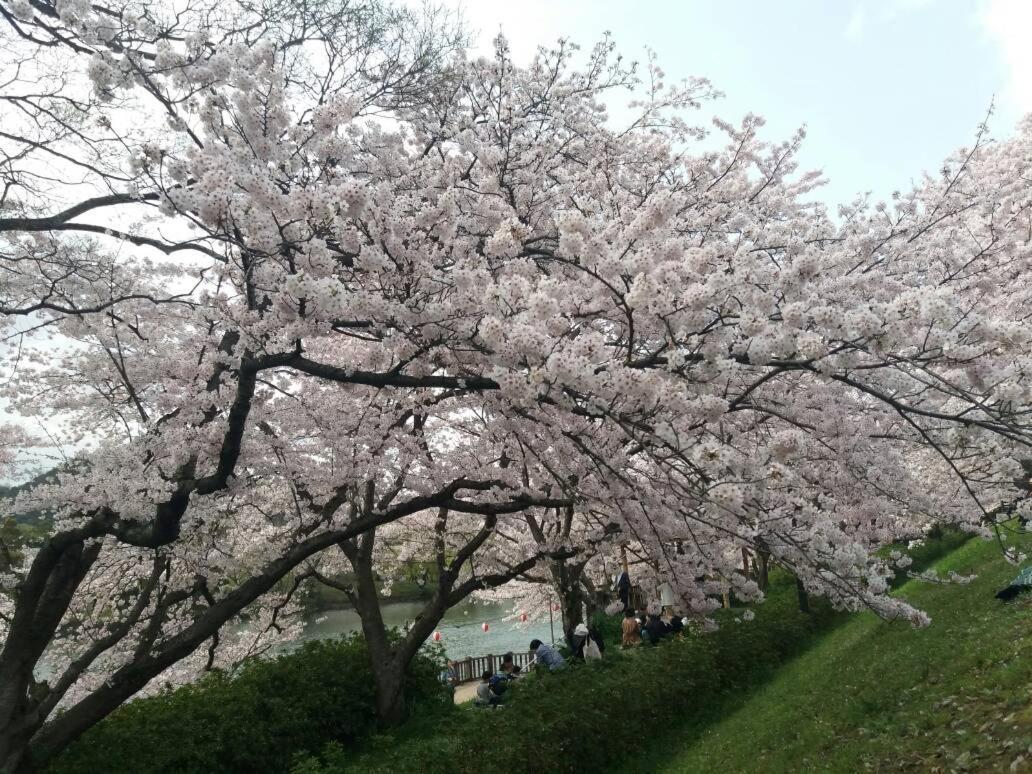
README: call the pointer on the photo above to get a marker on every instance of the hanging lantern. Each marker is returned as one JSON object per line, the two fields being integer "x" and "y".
{"x": 437, "y": 636}
{"x": 523, "y": 617}
{"x": 555, "y": 607}
{"x": 484, "y": 626}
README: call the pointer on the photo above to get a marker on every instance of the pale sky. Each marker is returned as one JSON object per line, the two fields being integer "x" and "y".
{"x": 886, "y": 88}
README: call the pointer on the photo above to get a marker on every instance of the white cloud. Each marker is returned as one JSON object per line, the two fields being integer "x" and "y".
{"x": 1009, "y": 24}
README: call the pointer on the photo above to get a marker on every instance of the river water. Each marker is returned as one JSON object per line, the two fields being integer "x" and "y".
{"x": 461, "y": 629}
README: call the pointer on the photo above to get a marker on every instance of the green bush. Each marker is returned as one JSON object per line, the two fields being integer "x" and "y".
{"x": 256, "y": 720}
{"x": 609, "y": 627}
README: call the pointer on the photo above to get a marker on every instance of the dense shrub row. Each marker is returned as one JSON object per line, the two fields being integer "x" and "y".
{"x": 587, "y": 716}
{"x": 320, "y": 699}
{"x": 256, "y": 720}
{"x": 592, "y": 715}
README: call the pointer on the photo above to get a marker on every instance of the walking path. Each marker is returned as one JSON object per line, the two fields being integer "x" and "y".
{"x": 465, "y": 692}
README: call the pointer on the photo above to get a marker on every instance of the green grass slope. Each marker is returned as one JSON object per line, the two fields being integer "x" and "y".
{"x": 877, "y": 696}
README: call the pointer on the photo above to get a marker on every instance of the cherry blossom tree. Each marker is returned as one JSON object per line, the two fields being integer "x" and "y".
{"x": 308, "y": 280}
{"x": 469, "y": 554}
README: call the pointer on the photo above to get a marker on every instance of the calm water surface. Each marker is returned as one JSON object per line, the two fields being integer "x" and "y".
{"x": 461, "y": 632}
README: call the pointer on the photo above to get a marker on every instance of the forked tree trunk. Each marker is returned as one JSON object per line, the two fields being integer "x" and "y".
{"x": 389, "y": 659}
{"x": 388, "y": 670}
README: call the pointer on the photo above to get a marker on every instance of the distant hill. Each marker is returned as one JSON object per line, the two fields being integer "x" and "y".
{"x": 34, "y": 517}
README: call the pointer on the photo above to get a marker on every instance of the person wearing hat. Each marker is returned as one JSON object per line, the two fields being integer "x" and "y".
{"x": 587, "y": 644}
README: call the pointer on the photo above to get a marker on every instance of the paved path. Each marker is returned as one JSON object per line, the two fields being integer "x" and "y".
{"x": 465, "y": 692}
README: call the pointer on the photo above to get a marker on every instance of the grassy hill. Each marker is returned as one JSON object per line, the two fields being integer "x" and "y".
{"x": 876, "y": 696}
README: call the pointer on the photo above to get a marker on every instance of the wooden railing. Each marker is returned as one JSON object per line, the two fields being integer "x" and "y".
{"x": 473, "y": 668}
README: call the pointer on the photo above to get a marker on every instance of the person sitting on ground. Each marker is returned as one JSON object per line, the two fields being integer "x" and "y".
{"x": 546, "y": 655}
{"x": 642, "y": 618}
{"x": 485, "y": 696}
{"x": 450, "y": 676}
{"x": 630, "y": 630}
{"x": 655, "y": 629}
{"x": 676, "y": 624}
{"x": 509, "y": 666}
{"x": 499, "y": 683}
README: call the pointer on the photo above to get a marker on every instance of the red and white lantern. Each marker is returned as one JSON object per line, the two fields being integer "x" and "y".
{"x": 437, "y": 636}
{"x": 523, "y": 617}
{"x": 484, "y": 626}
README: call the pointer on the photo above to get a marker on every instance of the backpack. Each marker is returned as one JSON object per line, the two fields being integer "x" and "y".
{"x": 498, "y": 684}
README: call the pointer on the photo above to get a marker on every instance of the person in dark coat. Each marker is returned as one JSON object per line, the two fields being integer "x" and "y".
{"x": 656, "y": 629}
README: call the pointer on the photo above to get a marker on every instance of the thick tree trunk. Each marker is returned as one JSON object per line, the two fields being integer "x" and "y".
{"x": 45, "y": 597}
{"x": 14, "y": 753}
{"x": 571, "y": 595}
{"x": 595, "y": 600}
{"x": 390, "y": 693}
{"x": 763, "y": 570}
{"x": 804, "y": 599}
{"x": 388, "y": 668}
{"x": 571, "y": 604}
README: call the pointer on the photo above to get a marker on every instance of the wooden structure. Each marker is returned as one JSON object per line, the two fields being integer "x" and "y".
{"x": 473, "y": 668}
{"x": 637, "y": 598}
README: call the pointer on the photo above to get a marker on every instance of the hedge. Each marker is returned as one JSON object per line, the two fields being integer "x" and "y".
{"x": 255, "y": 720}
{"x": 592, "y": 715}
{"x": 315, "y": 707}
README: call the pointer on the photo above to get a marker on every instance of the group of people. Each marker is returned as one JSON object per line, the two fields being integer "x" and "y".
{"x": 492, "y": 686}
{"x": 641, "y": 626}
{"x": 586, "y": 644}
